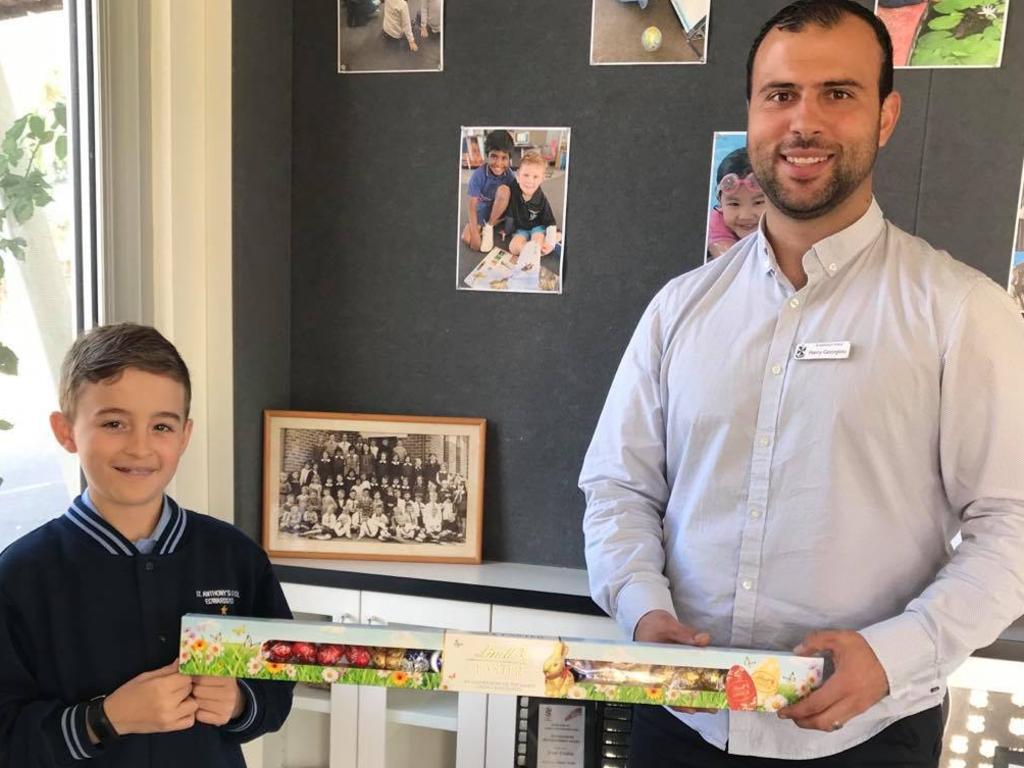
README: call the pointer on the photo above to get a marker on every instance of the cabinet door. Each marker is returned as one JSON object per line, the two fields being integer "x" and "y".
{"x": 301, "y": 740}
{"x": 501, "y": 710}
{"x": 391, "y": 722}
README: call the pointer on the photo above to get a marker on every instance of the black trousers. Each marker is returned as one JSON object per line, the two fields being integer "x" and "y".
{"x": 660, "y": 740}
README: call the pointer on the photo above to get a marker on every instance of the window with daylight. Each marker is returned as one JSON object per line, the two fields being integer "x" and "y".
{"x": 47, "y": 284}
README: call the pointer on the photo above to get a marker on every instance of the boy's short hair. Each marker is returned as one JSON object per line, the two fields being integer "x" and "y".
{"x": 104, "y": 353}
{"x": 531, "y": 158}
{"x": 500, "y": 141}
{"x": 738, "y": 162}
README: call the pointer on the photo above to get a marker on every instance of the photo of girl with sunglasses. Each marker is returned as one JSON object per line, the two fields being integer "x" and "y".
{"x": 737, "y": 201}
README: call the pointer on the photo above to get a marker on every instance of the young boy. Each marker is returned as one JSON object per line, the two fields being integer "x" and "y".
{"x": 530, "y": 209}
{"x": 91, "y": 602}
{"x": 489, "y": 190}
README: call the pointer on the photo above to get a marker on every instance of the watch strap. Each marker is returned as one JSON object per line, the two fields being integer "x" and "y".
{"x": 96, "y": 718}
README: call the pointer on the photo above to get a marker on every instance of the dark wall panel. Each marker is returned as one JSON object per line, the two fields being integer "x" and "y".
{"x": 261, "y": 231}
{"x": 972, "y": 161}
{"x": 376, "y": 324}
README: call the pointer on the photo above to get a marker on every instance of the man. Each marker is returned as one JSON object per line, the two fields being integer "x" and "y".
{"x": 798, "y": 429}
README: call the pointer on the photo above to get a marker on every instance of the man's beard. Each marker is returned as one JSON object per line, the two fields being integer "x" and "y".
{"x": 848, "y": 171}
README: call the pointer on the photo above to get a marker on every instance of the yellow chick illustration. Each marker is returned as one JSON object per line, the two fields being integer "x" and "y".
{"x": 766, "y": 679}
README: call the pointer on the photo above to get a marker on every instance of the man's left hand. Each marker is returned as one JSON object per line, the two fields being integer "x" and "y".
{"x": 858, "y": 682}
{"x": 220, "y": 699}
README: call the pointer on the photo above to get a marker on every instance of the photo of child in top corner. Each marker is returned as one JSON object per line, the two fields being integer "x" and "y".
{"x": 513, "y": 185}
{"x": 390, "y": 35}
{"x": 736, "y": 201}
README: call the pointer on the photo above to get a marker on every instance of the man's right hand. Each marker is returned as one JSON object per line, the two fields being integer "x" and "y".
{"x": 154, "y": 702}
{"x": 474, "y": 237}
{"x": 662, "y": 627}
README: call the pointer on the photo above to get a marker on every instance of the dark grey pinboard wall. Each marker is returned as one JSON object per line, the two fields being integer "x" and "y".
{"x": 261, "y": 107}
{"x": 376, "y": 324}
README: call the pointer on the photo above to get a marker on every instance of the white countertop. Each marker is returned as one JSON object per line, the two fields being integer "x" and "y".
{"x": 532, "y": 578}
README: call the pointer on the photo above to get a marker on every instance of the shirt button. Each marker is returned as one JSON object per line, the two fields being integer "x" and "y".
{"x": 748, "y": 584}
{"x": 755, "y": 513}
{"x": 149, "y": 565}
{"x": 764, "y": 442}
{"x": 833, "y": 267}
{"x": 794, "y": 303}
{"x": 162, "y": 638}
{"x": 776, "y": 369}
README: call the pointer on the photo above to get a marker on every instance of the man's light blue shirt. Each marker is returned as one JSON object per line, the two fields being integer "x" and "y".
{"x": 758, "y": 494}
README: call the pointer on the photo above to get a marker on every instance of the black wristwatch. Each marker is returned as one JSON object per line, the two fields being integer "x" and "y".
{"x": 97, "y": 720}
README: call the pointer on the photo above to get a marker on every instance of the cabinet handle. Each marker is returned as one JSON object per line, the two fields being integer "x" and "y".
{"x": 375, "y": 620}
{"x": 347, "y": 618}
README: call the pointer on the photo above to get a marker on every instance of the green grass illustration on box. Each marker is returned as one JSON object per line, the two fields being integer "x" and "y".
{"x": 961, "y": 33}
{"x": 220, "y": 657}
{"x": 394, "y": 656}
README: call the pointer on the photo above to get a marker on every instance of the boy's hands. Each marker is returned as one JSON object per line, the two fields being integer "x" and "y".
{"x": 220, "y": 699}
{"x": 153, "y": 702}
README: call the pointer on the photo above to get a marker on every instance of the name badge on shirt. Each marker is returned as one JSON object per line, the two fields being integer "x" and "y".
{"x": 822, "y": 350}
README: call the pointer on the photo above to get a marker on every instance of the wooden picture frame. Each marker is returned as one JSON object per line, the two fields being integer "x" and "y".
{"x": 429, "y": 509}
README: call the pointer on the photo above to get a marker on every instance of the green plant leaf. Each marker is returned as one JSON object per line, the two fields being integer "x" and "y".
{"x": 946, "y": 22}
{"x": 36, "y": 125}
{"x": 10, "y": 181}
{"x": 23, "y": 210}
{"x": 929, "y": 39}
{"x": 60, "y": 114}
{"x": 5, "y": 425}
{"x": 952, "y": 6}
{"x": 16, "y": 129}
{"x": 8, "y": 360}
{"x": 60, "y": 147}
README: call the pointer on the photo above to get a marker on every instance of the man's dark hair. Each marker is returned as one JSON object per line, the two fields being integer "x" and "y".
{"x": 827, "y": 14}
{"x": 498, "y": 140}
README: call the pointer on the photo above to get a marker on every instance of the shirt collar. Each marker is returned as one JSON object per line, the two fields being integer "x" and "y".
{"x": 165, "y": 538}
{"x": 834, "y": 252}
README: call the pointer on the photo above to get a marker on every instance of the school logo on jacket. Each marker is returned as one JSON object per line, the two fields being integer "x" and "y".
{"x": 224, "y": 598}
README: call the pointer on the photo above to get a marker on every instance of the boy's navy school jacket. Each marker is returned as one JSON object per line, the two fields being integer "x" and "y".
{"x": 82, "y": 611}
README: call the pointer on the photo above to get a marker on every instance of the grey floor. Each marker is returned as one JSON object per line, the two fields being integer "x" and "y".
{"x": 553, "y": 188}
{"x": 619, "y": 26}
{"x": 367, "y": 48}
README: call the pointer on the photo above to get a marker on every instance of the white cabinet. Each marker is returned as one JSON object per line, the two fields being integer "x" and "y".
{"x": 367, "y": 727}
{"x": 322, "y": 725}
{"x": 392, "y": 722}
{"x": 501, "y": 710}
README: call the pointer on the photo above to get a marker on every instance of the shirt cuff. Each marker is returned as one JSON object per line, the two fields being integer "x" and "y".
{"x": 906, "y": 652}
{"x": 74, "y": 733}
{"x": 637, "y": 599}
{"x": 248, "y": 716}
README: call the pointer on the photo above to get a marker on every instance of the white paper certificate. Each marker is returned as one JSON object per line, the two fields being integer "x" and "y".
{"x": 561, "y": 730}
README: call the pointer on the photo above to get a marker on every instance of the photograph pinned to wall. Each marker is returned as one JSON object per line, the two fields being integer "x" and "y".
{"x": 945, "y": 33}
{"x": 1016, "y": 284}
{"x": 513, "y": 184}
{"x": 372, "y": 487}
{"x": 390, "y": 36}
{"x": 735, "y": 199}
{"x": 649, "y": 31}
